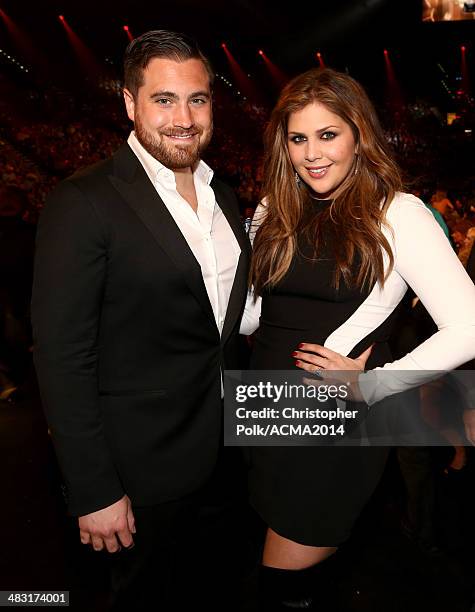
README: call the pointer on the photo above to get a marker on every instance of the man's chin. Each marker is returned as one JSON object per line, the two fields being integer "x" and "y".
{"x": 181, "y": 165}
{"x": 176, "y": 156}
{"x": 179, "y": 162}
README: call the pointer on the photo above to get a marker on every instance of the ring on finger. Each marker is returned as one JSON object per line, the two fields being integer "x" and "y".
{"x": 316, "y": 372}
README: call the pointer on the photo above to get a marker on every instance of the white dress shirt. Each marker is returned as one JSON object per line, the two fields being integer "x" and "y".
{"x": 207, "y": 231}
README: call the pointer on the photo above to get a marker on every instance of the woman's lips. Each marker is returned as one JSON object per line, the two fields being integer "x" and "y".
{"x": 318, "y": 172}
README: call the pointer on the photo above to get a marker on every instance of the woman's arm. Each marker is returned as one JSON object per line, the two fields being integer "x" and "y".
{"x": 251, "y": 315}
{"x": 428, "y": 264}
{"x": 252, "y": 310}
{"x": 424, "y": 260}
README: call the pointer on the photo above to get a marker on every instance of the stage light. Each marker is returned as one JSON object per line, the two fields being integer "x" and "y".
{"x": 278, "y": 76}
{"x": 319, "y": 57}
{"x": 243, "y": 82}
{"x": 24, "y": 45}
{"x": 465, "y": 70}
{"x": 88, "y": 63}
{"x": 394, "y": 95}
{"x": 128, "y": 32}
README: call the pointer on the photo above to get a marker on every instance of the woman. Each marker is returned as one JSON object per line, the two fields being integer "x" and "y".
{"x": 336, "y": 243}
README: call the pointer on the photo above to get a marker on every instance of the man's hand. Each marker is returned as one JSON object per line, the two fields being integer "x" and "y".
{"x": 469, "y": 422}
{"x": 111, "y": 527}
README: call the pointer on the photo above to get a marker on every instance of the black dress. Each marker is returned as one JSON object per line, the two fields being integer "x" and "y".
{"x": 311, "y": 494}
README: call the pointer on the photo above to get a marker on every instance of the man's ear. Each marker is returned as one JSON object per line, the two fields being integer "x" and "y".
{"x": 129, "y": 104}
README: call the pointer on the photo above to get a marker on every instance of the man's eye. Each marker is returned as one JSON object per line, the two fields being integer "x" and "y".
{"x": 162, "y": 101}
{"x": 328, "y": 135}
{"x": 198, "y": 101}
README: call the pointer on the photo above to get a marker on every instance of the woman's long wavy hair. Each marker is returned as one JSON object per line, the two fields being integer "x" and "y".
{"x": 354, "y": 219}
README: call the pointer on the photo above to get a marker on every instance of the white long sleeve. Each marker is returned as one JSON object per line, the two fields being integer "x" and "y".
{"x": 428, "y": 264}
{"x": 425, "y": 260}
{"x": 252, "y": 310}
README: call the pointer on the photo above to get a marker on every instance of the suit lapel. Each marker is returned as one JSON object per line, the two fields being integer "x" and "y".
{"x": 133, "y": 184}
{"x": 238, "y": 291}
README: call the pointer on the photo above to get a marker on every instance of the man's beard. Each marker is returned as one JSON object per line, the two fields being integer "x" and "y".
{"x": 168, "y": 154}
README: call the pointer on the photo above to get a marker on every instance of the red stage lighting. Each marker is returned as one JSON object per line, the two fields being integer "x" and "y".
{"x": 278, "y": 76}
{"x": 86, "y": 59}
{"x": 25, "y": 46}
{"x": 465, "y": 70}
{"x": 242, "y": 80}
{"x": 128, "y": 32}
{"x": 394, "y": 96}
{"x": 319, "y": 57}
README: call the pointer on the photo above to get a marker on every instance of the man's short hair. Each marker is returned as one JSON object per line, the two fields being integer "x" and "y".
{"x": 162, "y": 44}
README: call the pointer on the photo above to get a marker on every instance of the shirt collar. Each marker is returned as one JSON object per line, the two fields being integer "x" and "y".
{"x": 156, "y": 171}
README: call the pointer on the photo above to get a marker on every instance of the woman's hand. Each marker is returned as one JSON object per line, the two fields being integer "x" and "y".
{"x": 314, "y": 357}
{"x": 332, "y": 368}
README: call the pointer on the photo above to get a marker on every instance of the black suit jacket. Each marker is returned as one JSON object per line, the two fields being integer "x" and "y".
{"x": 127, "y": 351}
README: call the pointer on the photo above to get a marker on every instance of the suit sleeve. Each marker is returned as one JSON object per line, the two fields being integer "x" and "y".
{"x": 69, "y": 280}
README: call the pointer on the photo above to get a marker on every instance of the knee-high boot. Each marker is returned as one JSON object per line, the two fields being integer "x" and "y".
{"x": 312, "y": 588}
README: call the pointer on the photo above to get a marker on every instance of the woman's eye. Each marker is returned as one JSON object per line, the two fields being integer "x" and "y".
{"x": 297, "y": 139}
{"x": 328, "y": 135}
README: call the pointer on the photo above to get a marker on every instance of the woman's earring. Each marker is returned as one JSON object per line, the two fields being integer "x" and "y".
{"x": 297, "y": 179}
{"x": 357, "y": 160}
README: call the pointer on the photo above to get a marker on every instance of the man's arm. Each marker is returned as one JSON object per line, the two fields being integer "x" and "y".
{"x": 70, "y": 268}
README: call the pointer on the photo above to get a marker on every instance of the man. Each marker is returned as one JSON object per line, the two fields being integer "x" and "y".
{"x": 140, "y": 282}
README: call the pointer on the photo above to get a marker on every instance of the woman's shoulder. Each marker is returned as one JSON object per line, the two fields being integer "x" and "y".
{"x": 402, "y": 201}
{"x": 406, "y": 209}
